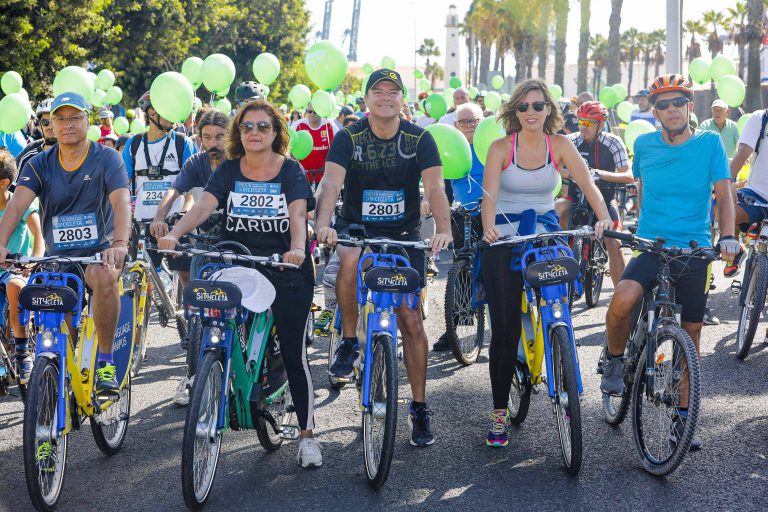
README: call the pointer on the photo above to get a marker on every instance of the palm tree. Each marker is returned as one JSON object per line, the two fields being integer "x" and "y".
{"x": 543, "y": 39}
{"x": 647, "y": 46}
{"x": 714, "y": 19}
{"x": 428, "y": 49}
{"x": 483, "y": 21}
{"x": 737, "y": 19}
{"x": 614, "y": 46}
{"x": 581, "y": 79}
{"x": 561, "y": 30}
{"x": 695, "y": 28}
{"x": 599, "y": 47}
{"x": 756, "y": 12}
{"x": 659, "y": 38}
{"x": 631, "y": 43}
{"x": 435, "y": 72}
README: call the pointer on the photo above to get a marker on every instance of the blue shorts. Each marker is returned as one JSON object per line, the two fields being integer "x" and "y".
{"x": 7, "y": 275}
{"x": 745, "y": 199}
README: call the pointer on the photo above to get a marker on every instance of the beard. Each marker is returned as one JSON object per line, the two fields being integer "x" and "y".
{"x": 215, "y": 153}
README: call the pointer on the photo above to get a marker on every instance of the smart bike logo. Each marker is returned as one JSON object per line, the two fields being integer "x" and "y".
{"x": 396, "y": 281}
{"x": 217, "y": 295}
{"x": 53, "y": 299}
{"x": 555, "y": 272}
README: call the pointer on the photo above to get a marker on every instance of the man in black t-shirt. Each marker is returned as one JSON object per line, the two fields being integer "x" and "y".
{"x": 379, "y": 160}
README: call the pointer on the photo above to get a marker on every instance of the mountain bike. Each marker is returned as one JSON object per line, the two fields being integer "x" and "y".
{"x": 9, "y": 369}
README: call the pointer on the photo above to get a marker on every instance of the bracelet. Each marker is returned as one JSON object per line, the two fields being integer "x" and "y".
{"x": 117, "y": 241}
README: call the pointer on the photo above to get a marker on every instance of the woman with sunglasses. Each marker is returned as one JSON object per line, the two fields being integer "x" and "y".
{"x": 258, "y": 171}
{"x": 521, "y": 173}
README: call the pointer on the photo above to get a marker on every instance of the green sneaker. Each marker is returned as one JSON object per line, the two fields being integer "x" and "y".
{"x": 106, "y": 381}
{"x": 45, "y": 457}
{"x": 322, "y": 326}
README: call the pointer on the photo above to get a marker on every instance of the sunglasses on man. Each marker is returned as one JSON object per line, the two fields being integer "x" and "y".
{"x": 678, "y": 102}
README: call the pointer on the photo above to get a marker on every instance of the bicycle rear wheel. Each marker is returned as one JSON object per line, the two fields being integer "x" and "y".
{"x": 464, "y": 324}
{"x": 109, "y": 427}
{"x": 519, "y": 394}
{"x": 657, "y": 399}
{"x": 45, "y": 451}
{"x": 595, "y": 271}
{"x": 754, "y": 302}
{"x": 380, "y": 420}
{"x": 202, "y": 439}
{"x": 280, "y": 409}
{"x": 566, "y": 404}
{"x": 334, "y": 338}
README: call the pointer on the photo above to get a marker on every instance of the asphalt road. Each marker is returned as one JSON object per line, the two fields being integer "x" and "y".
{"x": 458, "y": 472}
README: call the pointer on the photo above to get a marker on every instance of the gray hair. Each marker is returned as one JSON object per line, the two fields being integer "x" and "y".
{"x": 472, "y": 107}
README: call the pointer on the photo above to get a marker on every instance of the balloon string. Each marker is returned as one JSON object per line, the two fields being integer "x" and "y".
{"x": 494, "y": 202}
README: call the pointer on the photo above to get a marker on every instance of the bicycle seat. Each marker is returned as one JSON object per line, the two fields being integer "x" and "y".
{"x": 56, "y": 299}
{"x": 546, "y": 273}
{"x": 396, "y": 280}
{"x": 212, "y": 295}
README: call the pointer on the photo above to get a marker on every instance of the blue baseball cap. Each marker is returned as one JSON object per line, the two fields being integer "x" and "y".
{"x": 70, "y": 99}
{"x": 642, "y": 92}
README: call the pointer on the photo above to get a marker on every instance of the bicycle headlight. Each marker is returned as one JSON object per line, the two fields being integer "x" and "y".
{"x": 215, "y": 335}
{"x": 557, "y": 310}
{"x": 384, "y": 318}
{"x": 47, "y": 339}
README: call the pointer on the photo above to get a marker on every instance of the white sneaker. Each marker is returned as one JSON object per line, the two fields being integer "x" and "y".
{"x": 182, "y": 393}
{"x": 309, "y": 453}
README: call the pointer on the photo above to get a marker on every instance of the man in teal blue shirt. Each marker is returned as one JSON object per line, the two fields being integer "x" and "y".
{"x": 676, "y": 170}
{"x": 720, "y": 124}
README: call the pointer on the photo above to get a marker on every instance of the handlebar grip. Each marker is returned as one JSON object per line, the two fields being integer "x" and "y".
{"x": 618, "y": 235}
{"x": 482, "y": 244}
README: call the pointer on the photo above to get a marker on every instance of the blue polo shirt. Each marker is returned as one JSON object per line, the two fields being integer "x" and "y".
{"x": 468, "y": 189}
{"x": 677, "y": 186}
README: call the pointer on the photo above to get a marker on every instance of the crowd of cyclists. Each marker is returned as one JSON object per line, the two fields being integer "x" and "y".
{"x": 66, "y": 195}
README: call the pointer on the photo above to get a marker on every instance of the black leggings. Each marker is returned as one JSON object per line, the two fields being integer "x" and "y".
{"x": 290, "y": 309}
{"x": 504, "y": 289}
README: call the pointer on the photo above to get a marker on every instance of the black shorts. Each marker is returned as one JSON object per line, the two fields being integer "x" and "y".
{"x": 689, "y": 277}
{"x": 416, "y": 257}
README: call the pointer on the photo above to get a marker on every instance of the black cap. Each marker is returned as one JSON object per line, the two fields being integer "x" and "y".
{"x": 346, "y": 111}
{"x": 384, "y": 74}
{"x": 248, "y": 90}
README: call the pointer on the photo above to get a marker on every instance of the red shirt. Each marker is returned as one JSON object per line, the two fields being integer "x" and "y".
{"x": 321, "y": 143}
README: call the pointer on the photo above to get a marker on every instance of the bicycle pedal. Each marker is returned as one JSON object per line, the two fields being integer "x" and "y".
{"x": 345, "y": 380}
{"x": 314, "y": 308}
{"x": 289, "y": 432}
{"x": 290, "y": 408}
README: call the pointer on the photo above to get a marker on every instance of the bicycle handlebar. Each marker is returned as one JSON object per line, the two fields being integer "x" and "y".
{"x": 20, "y": 259}
{"x": 514, "y": 240}
{"x": 229, "y": 257}
{"x": 656, "y": 246}
{"x": 363, "y": 242}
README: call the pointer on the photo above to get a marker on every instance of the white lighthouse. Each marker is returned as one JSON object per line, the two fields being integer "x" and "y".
{"x": 452, "y": 56}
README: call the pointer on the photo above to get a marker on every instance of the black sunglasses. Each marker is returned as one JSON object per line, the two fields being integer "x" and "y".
{"x": 309, "y": 111}
{"x": 678, "y": 102}
{"x": 538, "y": 106}
{"x": 45, "y": 122}
{"x": 248, "y": 126}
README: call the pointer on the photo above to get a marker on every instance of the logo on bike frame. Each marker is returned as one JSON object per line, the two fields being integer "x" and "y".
{"x": 53, "y": 299}
{"x": 217, "y": 295}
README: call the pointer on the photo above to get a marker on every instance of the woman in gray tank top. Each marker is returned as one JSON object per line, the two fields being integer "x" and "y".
{"x": 521, "y": 173}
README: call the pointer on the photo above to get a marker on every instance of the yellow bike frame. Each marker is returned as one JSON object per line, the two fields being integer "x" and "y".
{"x": 532, "y": 339}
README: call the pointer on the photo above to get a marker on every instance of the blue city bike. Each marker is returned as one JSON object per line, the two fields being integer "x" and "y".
{"x": 549, "y": 271}
{"x": 385, "y": 281}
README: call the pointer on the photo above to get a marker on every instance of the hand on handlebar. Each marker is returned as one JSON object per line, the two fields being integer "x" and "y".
{"x": 114, "y": 257}
{"x": 490, "y": 235}
{"x": 601, "y": 226}
{"x": 327, "y": 235}
{"x": 440, "y": 242}
{"x": 729, "y": 248}
{"x": 158, "y": 229}
{"x": 294, "y": 257}
{"x": 167, "y": 243}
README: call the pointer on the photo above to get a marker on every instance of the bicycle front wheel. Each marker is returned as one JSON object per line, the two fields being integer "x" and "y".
{"x": 615, "y": 407}
{"x": 519, "y": 394}
{"x": 380, "y": 420}
{"x": 109, "y": 427}
{"x": 45, "y": 451}
{"x": 202, "y": 439}
{"x": 662, "y": 425}
{"x": 334, "y": 338}
{"x": 567, "y": 405}
{"x": 195, "y": 334}
{"x": 464, "y": 324}
{"x": 593, "y": 277}
{"x": 754, "y": 302}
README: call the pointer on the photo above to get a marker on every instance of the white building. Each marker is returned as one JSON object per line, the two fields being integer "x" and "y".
{"x": 452, "y": 66}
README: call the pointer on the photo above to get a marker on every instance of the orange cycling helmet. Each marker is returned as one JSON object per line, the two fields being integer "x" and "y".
{"x": 592, "y": 110}
{"x": 670, "y": 83}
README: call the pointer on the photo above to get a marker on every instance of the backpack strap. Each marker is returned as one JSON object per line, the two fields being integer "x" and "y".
{"x": 762, "y": 131}
{"x": 135, "y": 143}
{"x": 181, "y": 143}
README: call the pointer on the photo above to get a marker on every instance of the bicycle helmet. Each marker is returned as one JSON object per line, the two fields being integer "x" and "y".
{"x": 592, "y": 110}
{"x": 44, "y": 107}
{"x": 670, "y": 83}
{"x": 642, "y": 92}
{"x": 248, "y": 91}
{"x": 144, "y": 102}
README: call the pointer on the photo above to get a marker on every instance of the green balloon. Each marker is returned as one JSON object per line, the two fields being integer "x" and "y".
{"x": 323, "y": 103}
{"x": 388, "y": 63}
{"x": 699, "y": 70}
{"x": 105, "y": 80}
{"x": 455, "y": 82}
{"x": 489, "y": 130}
{"x": 621, "y": 92}
{"x": 222, "y": 93}
{"x": 455, "y": 153}
{"x": 218, "y": 72}
{"x": 292, "y": 139}
{"x": 731, "y": 89}
{"x": 492, "y": 101}
{"x": 505, "y": 97}
{"x": 11, "y": 82}
{"x": 368, "y": 69}
{"x": 742, "y": 121}
{"x": 473, "y": 92}
{"x": 607, "y": 97}
{"x": 266, "y": 68}
{"x": 418, "y": 73}
{"x": 73, "y": 79}
{"x": 448, "y": 95}
{"x": 223, "y": 105}
{"x": 625, "y": 109}
{"x": 326, "y": 65}
{"x": 497, "y": 82}
{"x": 303, "y": 146}
{"x": 94, "y": 133}
{"x": 14, "y": 112}
{"x": 120, "y": 125}
{"x": 99, "y": 98}
{"x": 193, "y": 70}
{"x": 114, "y": 95}
{"x": 197, "y": 104}
{"x": 721, "y": 66}
{"x": 634, "y": 130}
{"x": 558, "y": 187}
{"x": 300, "y": 96}
{"x": 436, "y": 106}
{"x": 24, "y": 93}
{"x": 94, "y": 78}
{"x": 424, "y": 85}
{"x": 172, "y": 96}
{"x": 555, "y": 91}
{"x": 137, "y": 126}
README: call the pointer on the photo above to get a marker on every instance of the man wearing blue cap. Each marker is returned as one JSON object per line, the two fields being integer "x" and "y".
{"x": 83, "y": 192}
{"x": 646, "y": 111}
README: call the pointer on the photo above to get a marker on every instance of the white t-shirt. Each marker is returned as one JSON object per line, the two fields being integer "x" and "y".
{"x": 424, "y": 121}
{"x": 449, "y": 118}
{"x": 646, "y": 116}
{"x": 758, "y": 173}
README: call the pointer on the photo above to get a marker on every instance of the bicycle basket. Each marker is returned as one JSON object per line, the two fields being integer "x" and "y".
{"x": 546, "y": 273}
{"x": 396, "y": 280}
{"x": 212, "y": 295}
{"x": 56, "y": 299}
